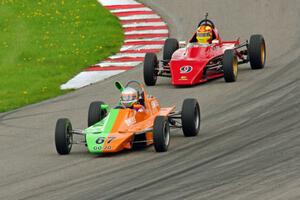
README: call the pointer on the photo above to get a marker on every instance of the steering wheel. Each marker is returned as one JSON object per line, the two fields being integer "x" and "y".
{"x": 206, "y": 22}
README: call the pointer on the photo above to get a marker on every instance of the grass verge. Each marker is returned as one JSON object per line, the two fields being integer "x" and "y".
{"x": 45, "y": 43}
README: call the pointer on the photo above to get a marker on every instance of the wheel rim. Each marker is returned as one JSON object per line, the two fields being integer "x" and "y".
{"x": 69, "y": 138}
{"x": 263, "y": 53}
{"x": 235, "y": 67}
{"x": 155, "y": 71}
{"x": 197, "y": 118}
{"x": 166, "y": 134}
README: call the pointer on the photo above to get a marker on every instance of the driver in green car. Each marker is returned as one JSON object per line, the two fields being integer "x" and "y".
{"x": 130, "y": 99}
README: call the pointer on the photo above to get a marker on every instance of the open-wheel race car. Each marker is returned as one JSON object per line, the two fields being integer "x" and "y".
{"x": 137, "y": 121}
{"x": 205, "y": 57}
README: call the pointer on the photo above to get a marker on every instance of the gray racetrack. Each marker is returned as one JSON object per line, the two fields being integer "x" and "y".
{"x": 250, "y": 138}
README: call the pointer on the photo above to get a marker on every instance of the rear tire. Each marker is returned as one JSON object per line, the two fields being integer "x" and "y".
{"x": 190, "y": 117}
{"x": 161, "y": 134}
{"x": 63, "y": 136}
{"x": 170, "y": 46}
{"x": 95, "y": 114}
{"x": 257, "y": 52}
{"x": 230, "y": 66}
{"x": 150, "y": 69}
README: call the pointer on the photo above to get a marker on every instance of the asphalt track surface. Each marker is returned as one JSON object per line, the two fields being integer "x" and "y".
{"x": 250, "y": 137}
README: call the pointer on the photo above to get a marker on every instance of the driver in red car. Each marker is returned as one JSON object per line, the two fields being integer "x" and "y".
{"x": 204, "y": 34}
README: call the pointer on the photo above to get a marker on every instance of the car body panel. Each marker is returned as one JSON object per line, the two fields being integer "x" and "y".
{"x": 117, "y": 130}
{"x": 188, "y": 65}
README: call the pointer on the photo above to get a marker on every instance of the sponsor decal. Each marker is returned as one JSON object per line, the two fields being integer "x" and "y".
{"x": 130, "y": 121}
{"x": 107, "y": 148}
{"x": 154, "y": 104}
{"x": 99, "y": 148}
{"x": 183, "y": 78}
{"x": 186, "y": 69}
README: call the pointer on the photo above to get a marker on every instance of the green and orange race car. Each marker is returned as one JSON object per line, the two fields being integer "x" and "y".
{"x": 115, "y": 129}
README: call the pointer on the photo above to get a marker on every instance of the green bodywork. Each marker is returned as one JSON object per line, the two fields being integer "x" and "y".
{"x": 97, "y": 134}
{"x": 119, "y": 86}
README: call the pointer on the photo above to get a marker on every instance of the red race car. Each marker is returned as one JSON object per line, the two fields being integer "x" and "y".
{"x": 205, "y": 57}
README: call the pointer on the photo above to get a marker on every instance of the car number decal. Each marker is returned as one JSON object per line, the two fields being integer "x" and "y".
{"x": 100, "y": 140}
{"x": 186, "y": 69}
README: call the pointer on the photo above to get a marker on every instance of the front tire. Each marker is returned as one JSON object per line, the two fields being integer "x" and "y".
{"x": 63, "y": 136}
{"x": 257, "y": 52}
{"x": 95, "y": 114}
{"x": 150, "y": 69}
{"x": 170, "y": 46}
{"x": 230, "y": 66}
{"x": 190, "y": 117}
{"x": 161, "y": 134}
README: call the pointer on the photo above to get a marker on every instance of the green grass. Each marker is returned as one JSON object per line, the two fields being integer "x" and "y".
{"x": 45, "y": 43}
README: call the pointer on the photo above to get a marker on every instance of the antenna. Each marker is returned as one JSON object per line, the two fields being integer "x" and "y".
{"x": 206, "y": 16}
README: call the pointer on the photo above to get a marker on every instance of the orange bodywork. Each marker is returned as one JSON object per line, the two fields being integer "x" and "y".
{"x": 126, "y": 126}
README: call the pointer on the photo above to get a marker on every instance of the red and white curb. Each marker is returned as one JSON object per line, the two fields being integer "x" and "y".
{"x": 144, "y": 31}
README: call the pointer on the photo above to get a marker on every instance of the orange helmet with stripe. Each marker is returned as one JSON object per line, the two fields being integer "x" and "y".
{"x": 204, "y": 34}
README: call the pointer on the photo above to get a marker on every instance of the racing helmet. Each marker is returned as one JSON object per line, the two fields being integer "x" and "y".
{"x": 129, "y": 97}
{"x": 204, "y": 34}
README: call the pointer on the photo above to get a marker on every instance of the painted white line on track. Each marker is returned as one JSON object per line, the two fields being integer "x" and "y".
{"x": 118, "y": 2}
{"x": 131, "y": 10}
{"x": 118, "y": 64}
{"x": 159, "y": 31}
{"x": 127, "y": 55}
{"x": 146, "y": 39}
{"x": 132, "y": 47}
{"x": 134, "y": 17}
{"x": 86, "y": 78}
{"x": 143, "y": 24}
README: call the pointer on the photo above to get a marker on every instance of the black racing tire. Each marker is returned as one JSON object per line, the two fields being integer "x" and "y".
{"x": 257, "y": 52}
{"x": 161, "y": 134}
{"x": 95, "y": 113}
{"x": 230, "y": 66}
{"x": 170, "y": 46}
{"x": 190, "y": 117}
{"x": 150, "y": 69}
{"x": 63, "y": 136}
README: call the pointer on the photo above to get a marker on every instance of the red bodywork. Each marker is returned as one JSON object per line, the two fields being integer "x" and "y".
{"x": 188, "y": 65}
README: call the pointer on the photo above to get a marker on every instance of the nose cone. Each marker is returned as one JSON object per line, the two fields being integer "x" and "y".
{"x": 186, "y": 72}
{"x": 113, "y": 142}
{"x": 112, "y": 135}
{"x": 187, "y": 65}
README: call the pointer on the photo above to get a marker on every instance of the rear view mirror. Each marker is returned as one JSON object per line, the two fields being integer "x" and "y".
{"x": 215, "y": 42}
{"x": 182, "y": 43}
{"x": 119, "y": 86}
{"x": 104, "y": 107}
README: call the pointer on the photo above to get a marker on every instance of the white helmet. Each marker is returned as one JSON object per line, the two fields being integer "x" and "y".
{"x": 129, "y": 96}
